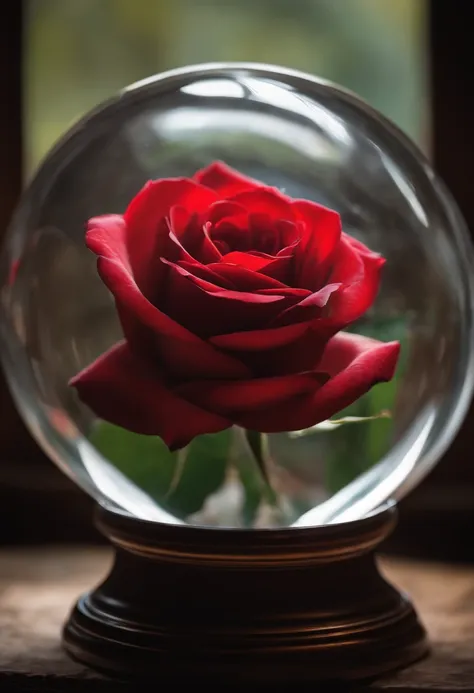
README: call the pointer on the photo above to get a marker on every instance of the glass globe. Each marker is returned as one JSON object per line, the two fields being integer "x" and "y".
{"x": 312, "y": 140}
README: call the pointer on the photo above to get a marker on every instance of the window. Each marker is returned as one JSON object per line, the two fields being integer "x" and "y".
{"x": 79, "y": 52}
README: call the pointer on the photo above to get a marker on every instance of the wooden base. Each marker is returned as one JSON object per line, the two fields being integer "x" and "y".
{"x": 245, "y": 606}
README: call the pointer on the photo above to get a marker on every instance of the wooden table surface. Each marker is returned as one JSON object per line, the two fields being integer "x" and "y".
{"x": 38, "y": 587}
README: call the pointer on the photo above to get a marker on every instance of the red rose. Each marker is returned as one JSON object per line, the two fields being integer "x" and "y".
{"x": 231, "y": 296}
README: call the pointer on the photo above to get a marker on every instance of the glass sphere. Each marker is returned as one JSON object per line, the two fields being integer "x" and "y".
{"x": 312, "y": 140}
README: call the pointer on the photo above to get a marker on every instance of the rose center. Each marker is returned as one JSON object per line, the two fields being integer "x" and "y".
{"x": 260, "y": 235}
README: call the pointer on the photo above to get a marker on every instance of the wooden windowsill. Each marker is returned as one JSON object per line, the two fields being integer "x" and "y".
{"x": 38, "y": 587}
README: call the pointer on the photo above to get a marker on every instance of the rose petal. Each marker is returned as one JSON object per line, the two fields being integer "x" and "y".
{"x": 179, "y": 220}
{"x": 282, "y": 269}
{"x": 176, "y": 252}
{"x": 348, "y": 265}
{"x": 344, "y": 348}
{"x": 232, "y": 398}
{"x": 207, "y": 309}
{"x": 223, "y": 210}
{"x": 189, "y": 239}
{"x": 309, "y": 308}
{"x": 245, "y": 279}
{"x": 300, "y": 294}
{"x": 192, "y": 236}
{"x": 232, "y": 234}
{"x": 146, "y": 236}
{"x": 323, "y": 223}
{"x": 322, "y": 233}
{"x": 214, "y": 290}
{"x": 209, "y": 252}
{"x": 246, "y": 260}
{"x": 357, "y": 363}
{"x": 264, "y": 233}
{"x": 273, "y": 238}
{"x": 149, "y": 329}
{"x": 293, "y": 298}
{"x": 290, "y": 234}
{"x": 301, "y": 354}
{"x": 268, "y": 201}
{"x": 130, "y": 393}
{"x": 360, "y": 275}
{"x": 208, "y": 273}
{"x": 249, "y": 230}
{"x": 260, "y": 340}
{"x": 278, "y": 351}
{"x": 106, "y": 235}
{"x": 224, "y": 179}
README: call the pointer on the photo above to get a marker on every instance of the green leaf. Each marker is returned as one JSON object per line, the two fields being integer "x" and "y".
{"x": 203, "y": 472}
{"x": 333, "y": 424}
{"x": 179, "y": 481}
{"x": 145, "y": 460}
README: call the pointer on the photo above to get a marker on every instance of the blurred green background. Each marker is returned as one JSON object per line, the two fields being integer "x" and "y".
{"x": 81, "y": 51}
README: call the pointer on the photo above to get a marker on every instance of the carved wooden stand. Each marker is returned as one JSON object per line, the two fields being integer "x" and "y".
{"x": 245, "y": 606}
